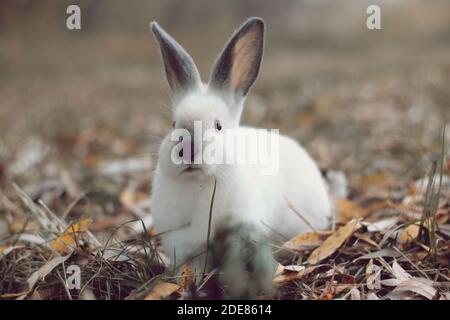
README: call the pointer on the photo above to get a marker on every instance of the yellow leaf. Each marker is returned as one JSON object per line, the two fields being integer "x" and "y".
{"x": 162, "y": 290}
{"x": 347, "y": 210}
{"x": 333, "y": 242}
{"x": 409, "y": 233}
{"x": 306, "y": 240}
{"x": 65, "y": 241}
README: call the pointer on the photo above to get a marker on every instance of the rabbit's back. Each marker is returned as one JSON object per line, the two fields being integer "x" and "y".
{"x": 304, "y": 189}
{"x": 296, "y": 183}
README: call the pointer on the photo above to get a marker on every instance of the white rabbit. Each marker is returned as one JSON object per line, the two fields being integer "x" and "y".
{"x": 181, "y": 193}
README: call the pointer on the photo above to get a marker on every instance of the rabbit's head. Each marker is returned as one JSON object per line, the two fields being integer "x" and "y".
{"x": 210, "y": 109}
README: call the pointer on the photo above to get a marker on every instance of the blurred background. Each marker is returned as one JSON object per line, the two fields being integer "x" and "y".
{"x": 86, "y": 108}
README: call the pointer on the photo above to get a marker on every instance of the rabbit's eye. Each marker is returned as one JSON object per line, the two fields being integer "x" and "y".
{"x": 173, "y": 124}
{"x": 218, "y": 125}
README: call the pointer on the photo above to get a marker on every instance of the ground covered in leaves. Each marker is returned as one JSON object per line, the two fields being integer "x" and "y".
{"x": 78, "y": 143}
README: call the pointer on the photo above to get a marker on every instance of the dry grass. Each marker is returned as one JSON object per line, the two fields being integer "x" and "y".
{"x": 81, "y": 117}
{"x": 400, "y": 249}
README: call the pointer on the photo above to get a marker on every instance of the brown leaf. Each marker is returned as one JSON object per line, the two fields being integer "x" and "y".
{"x": 333, "y": 242}
{"x": 366, "y": 238}
{"x": 347, "y": 210}
{"x": 306, "y": 240}
{"x": 162, "y": 290}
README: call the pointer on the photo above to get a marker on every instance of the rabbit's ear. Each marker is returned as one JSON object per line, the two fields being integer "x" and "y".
{"x": 237, "y": 67}
{"x": 182, "y": 74}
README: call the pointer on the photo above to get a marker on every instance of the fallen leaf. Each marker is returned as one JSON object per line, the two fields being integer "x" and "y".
{"x": 399, "y": 272}
{"x": 418, "y": 287}
{"x": 64, "y": 242}
{"x": 43, "y": 272}
{"x": 347, "y": 210}
{"x": 333, "y": 242}
{"x": 372, "y": 296}
{"x": 162, "y": 290}
{"x": 355, "y": 294}
{"x": 294, "y": 268}
{"x": 404, "y": 283}
{"x": 386, "y": 252}
{"x": 306, "y": 240}
{"x": 373, "y": 276}
{"x": 409, "y": 233}
{"x": 380, "y": 225}
{"x": 446, "y": 295}
{"x": 187, "y": 277}
{"x": 290, "y": 273}
{"x": 378, "y": 206}
{"x": 366, "y": 238}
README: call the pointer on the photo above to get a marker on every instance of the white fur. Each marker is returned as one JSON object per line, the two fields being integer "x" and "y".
{"x": 181, "y": 202}
{"x": 181, "y": 199}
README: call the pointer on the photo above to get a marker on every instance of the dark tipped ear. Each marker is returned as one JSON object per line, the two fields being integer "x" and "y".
{"x": 237, "y": 67}
{"x": 181, "y": 72}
